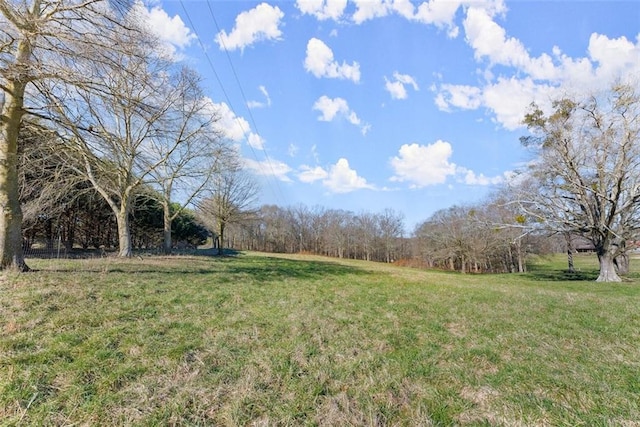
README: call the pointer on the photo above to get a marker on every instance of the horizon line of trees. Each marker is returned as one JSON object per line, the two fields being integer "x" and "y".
{"x": 468, "y": 239}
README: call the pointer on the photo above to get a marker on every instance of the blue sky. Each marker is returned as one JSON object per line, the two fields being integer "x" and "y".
{"x": 374, "y": 104}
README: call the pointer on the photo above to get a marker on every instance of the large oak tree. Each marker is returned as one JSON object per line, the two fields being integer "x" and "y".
{"x": 587, "y": 171}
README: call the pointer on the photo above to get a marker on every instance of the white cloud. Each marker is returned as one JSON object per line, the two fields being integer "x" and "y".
{"x": 459, "y": 96}
{"x": 261, "y": 104}
{"x": 403, "y": 8}
{"x": 369, "y": 9}
{"x": 171, "y": 31}
{"x": 423, "y": 165}
{"x": 342, "y": 179}
{"x": 277, "y": 169}
{"x": 614, "y": 56}
{"x": 232, "y": 126}
{"x": 509, "y": 99}
{"x": 533, "y": 79}
{"x": 397, "y": 87}
{"x": 256, "y": 141}
{"x": 469, "y": 177}
{"x": 322, "y": 9}
{"x": 489, "y": 40}
{"x": 260, "y": 23}
{"x": 308, "y": 174}
{"x": 440, "y": 13}
{"x": 338, "y": 107}
{"x": 320, "y": 62}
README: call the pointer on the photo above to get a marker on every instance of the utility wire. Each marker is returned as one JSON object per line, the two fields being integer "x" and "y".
{"x": 226, "y": 95}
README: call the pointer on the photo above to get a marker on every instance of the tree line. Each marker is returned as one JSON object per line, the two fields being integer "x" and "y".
{"x": 96, "y": 116}
{"x": 468, "y": 239}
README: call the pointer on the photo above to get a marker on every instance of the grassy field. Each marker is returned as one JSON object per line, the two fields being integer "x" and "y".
{"x": 274, "y": 340}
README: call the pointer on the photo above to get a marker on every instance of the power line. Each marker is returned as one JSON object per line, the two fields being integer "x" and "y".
{"x": 226, "y": 95}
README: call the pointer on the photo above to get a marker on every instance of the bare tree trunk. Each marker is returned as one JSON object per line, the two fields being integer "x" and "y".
{"x": 521, "y": 263}
{"x": 622, "y": 264}
{"x": 167, "y": 243}
{"x": 124, "y": 233}
{"x": 11, "y": 255}
{"x": 622, "y": 260}
{"x": 221, "y": 237}
{"x": 572, "y": 269}
{"x": 607, "y": 267}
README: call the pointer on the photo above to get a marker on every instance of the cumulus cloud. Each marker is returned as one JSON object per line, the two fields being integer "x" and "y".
{"x": 234, "y": 127}
{"x": 489, "y": 40}
{"x": 275, "y": 168}
{"x": 308, "y": 174}
{"x": 260, "y": 23}
{"x": 614, "y": 56}
{"x": 256, "y": 141}
{"x": 322, "y": 9}
{"x": 331, "y": 108}
{"x": 342, "y": 179}
{"x": 396, "y": 87}
{"x": 440, "y": 13}
{"x": 533, "y": 79}
{"x": 171, "y": 31}
{"x": 423, "y": 165}
{"x": 369, "y": 9}
{"x": 320, "y": 62}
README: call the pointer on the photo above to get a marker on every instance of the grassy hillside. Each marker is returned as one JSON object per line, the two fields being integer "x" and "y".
{"x": 266, "y": 340}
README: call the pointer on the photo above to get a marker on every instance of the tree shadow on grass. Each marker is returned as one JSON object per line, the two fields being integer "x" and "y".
{"x": 269, "y": 269}
{"x": 541, "y": 273}
{"x": 231, "y": 266}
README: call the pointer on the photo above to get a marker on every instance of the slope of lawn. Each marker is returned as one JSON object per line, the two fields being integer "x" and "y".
{"x": 275, "y": 340}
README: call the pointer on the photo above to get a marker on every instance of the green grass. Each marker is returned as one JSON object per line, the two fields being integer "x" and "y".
{"x": 275, "y": 340}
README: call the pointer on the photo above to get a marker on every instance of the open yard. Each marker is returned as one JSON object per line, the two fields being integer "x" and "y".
{"x": 275, "y": 340}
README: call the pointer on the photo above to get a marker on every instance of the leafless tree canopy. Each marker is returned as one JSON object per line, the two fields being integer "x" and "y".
{"x": 586, "y": 177}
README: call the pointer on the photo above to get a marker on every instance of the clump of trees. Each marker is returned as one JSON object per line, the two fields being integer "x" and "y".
{"x": 329, "y": 232}
{"x": 91, "y": 107}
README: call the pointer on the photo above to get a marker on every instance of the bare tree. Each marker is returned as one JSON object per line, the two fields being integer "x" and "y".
{"x": 232, "y": 197}
{"x": 188, "y": 150}
{"x": 391, "y": 227}
{"x": 39, "y": 42}
{"x": 587, "y": 173}
{"x": 137, "y": 124}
